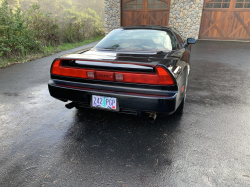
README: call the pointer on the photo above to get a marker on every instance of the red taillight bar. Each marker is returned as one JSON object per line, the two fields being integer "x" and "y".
{"x": 58, "y": 69}
{"x": 161, "y": 77}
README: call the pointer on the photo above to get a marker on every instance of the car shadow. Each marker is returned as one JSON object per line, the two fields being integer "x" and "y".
{"x": 115, "y": 139}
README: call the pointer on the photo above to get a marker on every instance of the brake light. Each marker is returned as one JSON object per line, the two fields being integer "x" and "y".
{"x": 161, "y": 77}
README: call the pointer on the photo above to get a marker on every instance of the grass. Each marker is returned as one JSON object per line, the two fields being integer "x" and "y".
{"x": 4, "y": 62}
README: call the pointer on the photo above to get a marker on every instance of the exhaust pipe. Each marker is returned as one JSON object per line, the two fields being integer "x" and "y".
{"x": 70, "y": 105}
{"x": 152, "y": 117}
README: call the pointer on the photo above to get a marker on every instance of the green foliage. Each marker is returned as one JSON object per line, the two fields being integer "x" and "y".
{"x": 33, "y": 30}
{"x": 46, "y": 51}
{"x": 15, "y": 37}
{"x": 44, "y": 25}
{"x": 57, "y": 7}
{"x": 79, "y": 26}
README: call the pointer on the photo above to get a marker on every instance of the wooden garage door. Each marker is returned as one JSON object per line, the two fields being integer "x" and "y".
{"x": 225, "y": 19}
{"x": 145, "y": 12}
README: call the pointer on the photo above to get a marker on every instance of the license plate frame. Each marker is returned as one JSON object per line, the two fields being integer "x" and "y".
{"x": 105, "y": 105}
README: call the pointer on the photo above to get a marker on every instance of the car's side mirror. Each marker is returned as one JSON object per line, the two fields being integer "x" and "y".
{"x": 191, "y": 41}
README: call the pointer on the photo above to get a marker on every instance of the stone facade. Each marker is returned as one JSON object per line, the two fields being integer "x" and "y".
{"x": 185, "y": 16}
{"x": 112, "y": 15}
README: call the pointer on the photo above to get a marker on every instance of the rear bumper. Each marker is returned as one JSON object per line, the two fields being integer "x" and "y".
{"x": 164, "y": 103}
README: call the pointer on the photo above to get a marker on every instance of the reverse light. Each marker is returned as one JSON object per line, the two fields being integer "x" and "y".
{"x": 91, "y": 74}
{"x": 119, "y": 77}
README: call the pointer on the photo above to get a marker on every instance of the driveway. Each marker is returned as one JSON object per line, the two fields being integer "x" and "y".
{"x": 44, "y": 144}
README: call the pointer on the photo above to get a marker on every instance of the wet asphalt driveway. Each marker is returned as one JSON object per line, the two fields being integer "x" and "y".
{"x": 44, "y": 144}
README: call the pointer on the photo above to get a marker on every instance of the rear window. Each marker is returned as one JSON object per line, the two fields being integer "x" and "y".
{"x": 138, "y": 40}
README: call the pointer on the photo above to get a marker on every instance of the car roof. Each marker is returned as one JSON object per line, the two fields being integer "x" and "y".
{"x": 154, "y": 27}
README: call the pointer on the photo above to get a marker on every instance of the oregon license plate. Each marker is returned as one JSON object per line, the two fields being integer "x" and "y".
{"x": 104, "y": 102}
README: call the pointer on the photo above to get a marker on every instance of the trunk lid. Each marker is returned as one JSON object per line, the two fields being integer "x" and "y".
{"x": 128, "y": 57}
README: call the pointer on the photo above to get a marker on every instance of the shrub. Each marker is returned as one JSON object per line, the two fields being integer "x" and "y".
{"x": 80, "y": 25}
{"x": 45, "y": 27}
{"x": 22, "y": 32}
{"x": 15, "y": 36}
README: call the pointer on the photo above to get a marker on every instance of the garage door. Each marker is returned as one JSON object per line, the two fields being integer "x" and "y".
{"x": 145, "y": 12}
{"x": 225, "y": 19}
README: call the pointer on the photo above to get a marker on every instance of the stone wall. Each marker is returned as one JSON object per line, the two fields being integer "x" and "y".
{"x": 112, "y": 15}
{"x": 185, "y": 16}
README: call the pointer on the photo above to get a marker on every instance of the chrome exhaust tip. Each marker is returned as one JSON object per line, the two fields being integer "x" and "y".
{"x": 152, "y": 117}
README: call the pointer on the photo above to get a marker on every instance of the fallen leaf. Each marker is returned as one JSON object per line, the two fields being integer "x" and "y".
{"x": 156, "y": 162}
{"x": 246, "y": 176}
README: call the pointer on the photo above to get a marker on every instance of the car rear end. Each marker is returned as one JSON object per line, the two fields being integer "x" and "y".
{"x": 119, "y": 86}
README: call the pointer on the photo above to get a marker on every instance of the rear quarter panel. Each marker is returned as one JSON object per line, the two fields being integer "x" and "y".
{"x": 180, "y": 69}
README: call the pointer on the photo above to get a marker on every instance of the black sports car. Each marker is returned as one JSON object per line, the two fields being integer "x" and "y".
{"x": 133, "y": 70}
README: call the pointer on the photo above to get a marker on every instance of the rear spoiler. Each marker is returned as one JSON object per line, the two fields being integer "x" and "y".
{"x": 109, "y": 65}
{"x": 114, "y": 66}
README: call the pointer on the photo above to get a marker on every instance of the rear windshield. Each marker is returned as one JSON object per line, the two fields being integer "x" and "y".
{"x": 138, "y": 40}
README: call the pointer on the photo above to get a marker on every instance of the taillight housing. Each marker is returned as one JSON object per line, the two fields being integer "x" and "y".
{"x": 160, "y": 77}
{"x": 56, "y": 67}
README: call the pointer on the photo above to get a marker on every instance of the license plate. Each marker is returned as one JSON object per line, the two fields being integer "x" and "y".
{"x": 104, "y": 102}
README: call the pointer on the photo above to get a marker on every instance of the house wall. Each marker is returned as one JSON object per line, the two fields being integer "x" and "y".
{"x": 112, "y": 15}
{"x": 185, "y": 16}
